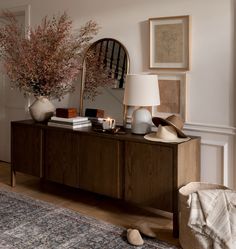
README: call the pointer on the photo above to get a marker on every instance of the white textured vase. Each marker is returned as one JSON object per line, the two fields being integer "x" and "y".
{"x": 42, "y": 109}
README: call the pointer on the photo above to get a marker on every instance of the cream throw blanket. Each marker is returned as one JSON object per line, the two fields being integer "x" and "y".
{"x": 213, "y": 218}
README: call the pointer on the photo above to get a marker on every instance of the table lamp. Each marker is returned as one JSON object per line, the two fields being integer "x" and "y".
{"x": 141, "y": 90}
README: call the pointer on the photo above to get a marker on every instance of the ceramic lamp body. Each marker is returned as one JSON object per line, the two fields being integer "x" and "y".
{"x": 141, "y": 121}
{"x": 42, "y": 109}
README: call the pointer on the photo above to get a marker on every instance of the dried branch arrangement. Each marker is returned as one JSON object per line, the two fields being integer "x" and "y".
{"x": 47, "y": 60}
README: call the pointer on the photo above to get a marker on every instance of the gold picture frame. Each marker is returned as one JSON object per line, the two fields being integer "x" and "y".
{"x": 169, "y": 43}
{"x": 173, "y": 96}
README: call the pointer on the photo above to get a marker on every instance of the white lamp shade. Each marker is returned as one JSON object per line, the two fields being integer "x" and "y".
{"x": 141, "y": 90}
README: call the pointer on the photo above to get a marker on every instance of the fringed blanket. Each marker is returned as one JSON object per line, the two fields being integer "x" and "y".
{"x": 213, "y": 218}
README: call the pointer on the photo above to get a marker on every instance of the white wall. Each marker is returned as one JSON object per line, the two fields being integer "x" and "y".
{"x": 211, "y": 89}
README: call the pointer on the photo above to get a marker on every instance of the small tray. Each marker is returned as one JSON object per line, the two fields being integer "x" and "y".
{"x": 116, "y": 130}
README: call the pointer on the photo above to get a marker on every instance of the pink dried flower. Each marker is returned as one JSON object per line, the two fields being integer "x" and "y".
{"x": 47, "y": 61}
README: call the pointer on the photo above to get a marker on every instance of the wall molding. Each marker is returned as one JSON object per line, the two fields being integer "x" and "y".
{"x": 209, "y": 128}
{"x": 218, "y": 136}
{"x": 225, "y": 165}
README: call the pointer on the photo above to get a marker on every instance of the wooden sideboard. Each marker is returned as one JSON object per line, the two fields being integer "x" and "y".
{"x": 121, "y": 166}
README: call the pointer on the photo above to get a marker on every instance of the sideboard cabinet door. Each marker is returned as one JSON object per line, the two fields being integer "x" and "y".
{"x": 26, "y": 149}
{"x": 61, "y": 156}
{"x": 100, "y": 165}
{"x": 149, "y": 174}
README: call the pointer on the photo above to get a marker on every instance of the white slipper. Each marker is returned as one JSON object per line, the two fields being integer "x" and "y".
{"x": 134, "y": 237}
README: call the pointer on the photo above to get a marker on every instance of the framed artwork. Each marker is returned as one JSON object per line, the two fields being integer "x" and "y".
{"x": 169, "y": 43}
{"x": 172, "y": 88}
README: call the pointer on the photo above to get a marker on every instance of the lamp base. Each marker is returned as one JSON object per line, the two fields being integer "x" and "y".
{"x": 141, "y": 121}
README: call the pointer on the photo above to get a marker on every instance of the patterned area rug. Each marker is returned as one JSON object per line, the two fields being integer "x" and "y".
{"x": 26, "y": 223}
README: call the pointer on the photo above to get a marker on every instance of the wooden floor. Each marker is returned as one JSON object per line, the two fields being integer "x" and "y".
{"x": 103, "y": 208}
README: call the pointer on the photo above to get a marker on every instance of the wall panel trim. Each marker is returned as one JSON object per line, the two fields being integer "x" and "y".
{"x": 209, "y": 128}
{"x": 225, "y": 165}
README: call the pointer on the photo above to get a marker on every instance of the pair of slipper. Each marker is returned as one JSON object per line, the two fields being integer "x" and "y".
{"x": 134, "y": 237}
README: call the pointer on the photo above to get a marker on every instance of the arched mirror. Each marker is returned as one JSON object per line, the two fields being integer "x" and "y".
{"x": 105, "y": 66}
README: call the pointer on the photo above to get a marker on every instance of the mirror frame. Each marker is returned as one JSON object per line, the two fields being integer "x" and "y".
{"x": 83, "y": 75}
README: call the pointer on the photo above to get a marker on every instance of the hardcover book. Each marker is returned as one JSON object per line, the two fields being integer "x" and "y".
{"x": 69, "y": 120}
{"x": 70, "y": 123}
{"x": 68, "y": 126}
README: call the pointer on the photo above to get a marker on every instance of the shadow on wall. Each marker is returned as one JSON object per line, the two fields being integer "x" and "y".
{"x": 144, "y": 37}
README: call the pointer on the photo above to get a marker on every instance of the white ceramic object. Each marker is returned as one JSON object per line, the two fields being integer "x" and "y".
{"x": 42, "y": 109}
{"x": 141, "y": 121}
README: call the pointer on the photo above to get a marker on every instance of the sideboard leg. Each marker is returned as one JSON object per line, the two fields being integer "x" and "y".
{"x": 13, "y": 177}
{"x": 176, "y": 224}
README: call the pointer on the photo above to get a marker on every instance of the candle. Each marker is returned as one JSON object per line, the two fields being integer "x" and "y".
{"x": 113, "y": 123}
{"x": 108, "y": 123}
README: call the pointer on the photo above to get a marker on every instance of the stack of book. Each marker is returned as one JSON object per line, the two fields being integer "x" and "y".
{"x": 70, "y": 123}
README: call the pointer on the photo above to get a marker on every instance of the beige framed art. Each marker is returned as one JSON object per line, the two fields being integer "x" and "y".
{"x": 173, "y": 89}
{"x": 169, "y": 43}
